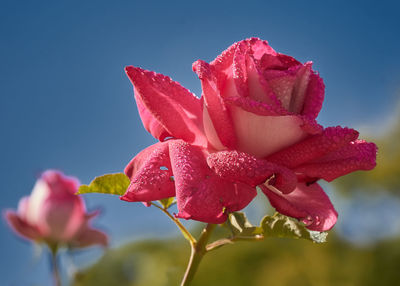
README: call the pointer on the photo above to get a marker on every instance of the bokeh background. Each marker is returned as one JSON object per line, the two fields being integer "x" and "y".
{"x": 67, "y": 104}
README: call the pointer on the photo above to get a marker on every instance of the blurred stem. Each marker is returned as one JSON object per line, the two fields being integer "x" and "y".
{"x": 54, "y": 264}
{"x": 183, "y": 229}
{"x": 198, "y": 249}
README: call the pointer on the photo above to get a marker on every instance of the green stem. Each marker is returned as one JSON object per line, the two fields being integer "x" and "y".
{"x": 224, "y": 241}
{"x": 54, "y": 265}
{"x": 198, "y": 249}
{"x": 183, "y": 229}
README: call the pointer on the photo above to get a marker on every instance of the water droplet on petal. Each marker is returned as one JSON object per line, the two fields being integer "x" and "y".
{"x": 308, "y": 220}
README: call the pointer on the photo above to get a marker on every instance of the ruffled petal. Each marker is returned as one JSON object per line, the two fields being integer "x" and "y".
{"x": 357, "y": 155}
{"x": 150, "y": 173}
{"x": 174, "y": 107}
{"x": 317, "y": 146}
{"x": 314, "y": 96}
{"x": 217, "y": 122}
{"x": 201, "y": 194}
{"x": 259, "y": 88}
{"x": 21, "y": 227}
{"x": 240, "y": 167}
{"x": 307, "y": 203}
{"x": 260, "y": 48}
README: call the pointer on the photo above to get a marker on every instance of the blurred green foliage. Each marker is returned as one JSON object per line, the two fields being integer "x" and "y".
{"x": 272, "y": 262}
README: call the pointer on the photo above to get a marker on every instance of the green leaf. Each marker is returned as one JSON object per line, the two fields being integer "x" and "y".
{"x": 114, "y": 184}
{"x": 166, "y": 203}
{"x": 240, "y": 225}
{"x": 279, "y": 225}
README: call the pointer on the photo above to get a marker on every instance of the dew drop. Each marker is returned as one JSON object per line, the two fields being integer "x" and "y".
{"x": 317, "y": 220}
{"x": 307, "y": 220}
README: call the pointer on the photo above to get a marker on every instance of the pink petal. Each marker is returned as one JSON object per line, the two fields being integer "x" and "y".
{"x": 282, "y": 85}
{"x": 23, "y": 206}
{"x": 260, "y": 48}
{"x": 315, "y": 96}
{"x": 310, "y": 125}
{"x": 61, "y": 217}
{"x": 357, "y": 155}
{"x": 239, "y": 69}
{"x": 201, "y": 194}
{"x": 216, "y": 119}
{"x": 225, "y": 59}
{"x": 246, "y": 77}
{"x": 265, "y": 135}
{"x": 240, "y": 167}
{"x": 309, "y": 204}
{"x": 21, "y": 227}
{"x": 150, "y": 173}
{"x": 253, "y": 106}
{"x": 152, "y": 125}
{"x": 300, "y": 87}
{"x": 287, "y": 61}
{"x": 60, "y": 183}
{"x": 314, "y": 147}
{"x": 173, "y": 106}
{"x": 89, "y": 237}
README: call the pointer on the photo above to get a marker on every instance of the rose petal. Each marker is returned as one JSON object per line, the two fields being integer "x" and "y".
{"x": 202, "y": 195}
{"x": 21, "y": 227}
{"x": 309, "y": 204}
{"x": 259, "y": 88}
{"x": 287, "y": 61}
{"x": 216, "y": 119}
{"x": 315, "y": 96}
{"x": 264, "y": 135}
{"x": 23, "y": 206}
{"x": 357, "y": 155}
{"x": 61, "y": 218}
{"x": 239, "y": 69}
{"x": 89, "y": 236}
{"x": 260, "y": 48}
{"x": 299, "y": 89}
{"x": 152, "y": 125}
{"x": 240, "y": 167}
{"x": 173, "y": 106}
{"x": 282, "y": 86}
{"x": 310, "y": 125}
{"x": 150, "y": 173}
{"x": 332, "y": 138}
{"x": 254, "y": 106}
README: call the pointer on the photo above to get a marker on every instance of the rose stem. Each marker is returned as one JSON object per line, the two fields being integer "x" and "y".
{"x": 54, "y": 264}
{"x": 198, "y": 249}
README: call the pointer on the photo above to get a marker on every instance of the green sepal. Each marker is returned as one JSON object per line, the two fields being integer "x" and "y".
{"x": 114, "y": 184}
{"x": 240, "y": 226}
{"x": 167, "y": 202}
{"x": 279, "y": 225}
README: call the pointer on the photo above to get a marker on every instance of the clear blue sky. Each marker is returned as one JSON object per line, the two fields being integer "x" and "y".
{"x": 66, "y": 102}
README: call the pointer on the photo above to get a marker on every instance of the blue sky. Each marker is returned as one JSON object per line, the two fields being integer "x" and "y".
{"x": 67, "y": 104}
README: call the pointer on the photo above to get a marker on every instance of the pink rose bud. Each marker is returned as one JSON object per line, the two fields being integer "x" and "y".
{"x": 254, "y": 125}
{"x": 54, "y": 214}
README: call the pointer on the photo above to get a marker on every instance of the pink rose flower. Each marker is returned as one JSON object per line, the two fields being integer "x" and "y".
{"x": 54, "y": 214}
{"x": 254, "y": 125}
